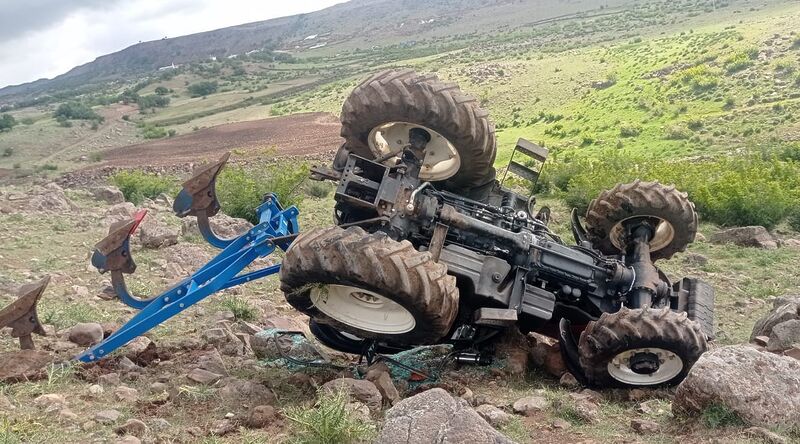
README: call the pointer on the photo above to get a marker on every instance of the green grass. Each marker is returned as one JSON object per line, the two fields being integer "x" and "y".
{"x": 329, "y": 421}
{"x": 717, "y": 415}
{"x": 241, "y": 308}
{"x": 138, "y": 185}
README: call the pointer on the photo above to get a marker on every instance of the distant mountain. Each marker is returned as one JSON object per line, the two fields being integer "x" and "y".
{"x": 364, "y": 23}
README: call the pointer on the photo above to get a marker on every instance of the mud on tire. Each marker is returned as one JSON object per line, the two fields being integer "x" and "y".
{"x": 375, "y": 263}
{"x": 641, "y": 328}
{"x": 641, "y": 199}
{"x": 405, "y": 96}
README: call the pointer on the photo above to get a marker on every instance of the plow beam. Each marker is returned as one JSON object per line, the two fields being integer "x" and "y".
{"x": 21, "y": 314}
{"x": 199, "y": 198}
{"x": 277, "y": 228}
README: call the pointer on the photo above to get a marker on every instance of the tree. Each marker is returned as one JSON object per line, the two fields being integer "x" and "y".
{"x": 76, "y": 111}
{"x": 202, "y": 88}
{"x": 7, "y": 121}
{"x": 162, "y": 91}
{"x": 152, "y": 101}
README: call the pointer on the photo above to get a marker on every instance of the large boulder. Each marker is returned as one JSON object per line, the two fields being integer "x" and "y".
{"x": 763, "y": 389}
{"x": 436, "y": 416}
{"x": 223, "y": 225}
{"x": 754, "y": 236}
{"x": 111, "y": 195}
{"x": 780, "y": 327}
{"x": 155, "y": 235}
{"x": 51, "y": 200}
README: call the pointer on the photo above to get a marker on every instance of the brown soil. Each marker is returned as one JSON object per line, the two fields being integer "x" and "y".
{"x": 300, "y": 134}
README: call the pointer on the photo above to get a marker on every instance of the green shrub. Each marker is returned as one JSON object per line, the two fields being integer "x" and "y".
{"x": 150, "y": 131}
{"x": 330, "y": 421}
{"x": 677, "y": 132}
{"x": 318, "y": 189}
{"x": 241, "y": 309}
{"x": 699, "y": 78}
{"x": 152, "y": 101}
{"x": 629, "y": 130}
{"x": 201, "y": 89}
{"x": 241, "y": 191}
{"x": 794, "y": 219}
{"x": 137, "y": 185}
{"x": 7, "y": 121}
{"x": 717, "y": 415}
{"x": 76, "y": 111}
{"x": 738, "y": 62}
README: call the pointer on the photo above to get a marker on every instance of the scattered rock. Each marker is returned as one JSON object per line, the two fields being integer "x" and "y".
{"x": 237, "y": 393}
{"x": 784, "y": 336}
{"x": 792, "y": 243}
{"x": 222, "y": 427}
{"x": 493, "y": 415}
{"x": 109, "y": 379}
{"x": 160, "y": 424}
{"x": 359, "y": 390}
{"x": 793, "y": 352}
{"x": 695, "y": 259}
{"x": 159, "y": 387}
{"x": 23, "y": 365}
{"x": 261, "y": 416}
{"x": 435, "y": 416}
{"x": 125, "y": 393}
{"x": 96, "y": 389}
{"x": 753, "y": 236}
{"x": 204, "y": 377}
{"x": 765, "y": 435}
{"x": 468, "y": 396}
{"x": 51, "y": 200}
{"x": 514, "y": 347}
{"x": 132, "y": 427}
{"x": 530, "y": 405}
{"x": 154, "y": 235}
{"x": 126, "y": 365}
{"x": 107, "y": 416}
{"x": 86, "y": 334}
{"x": 568, "y": 380}
{"x": 546, "y": 354}
{"x": 111, "y": 195}
{"x": 383, "y": 381}
{"x": 137, "y": 345}
{"x": 212, "y": 362}
{"x": 128, "y": 439}
{"x": 761, "y": 388}
{"x": 50, "y": 400}
{"x": 761, "y": 340}
{"x": 68, "y": 415}
{"x": 223, "y": 225}
{"x": 645, "y": 426}
{"x": 124, "y": 210}
{"x": 560, "y": 424}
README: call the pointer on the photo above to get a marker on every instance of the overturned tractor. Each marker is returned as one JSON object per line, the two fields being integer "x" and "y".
{"x": 429, "y": 247}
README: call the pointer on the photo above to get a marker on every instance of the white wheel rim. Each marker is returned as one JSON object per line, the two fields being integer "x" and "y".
{"x": 664, "y": 234}
{"x": 670, "y": 365}
{"x": 441, "y": 160}
{"x": 362, "y": 309}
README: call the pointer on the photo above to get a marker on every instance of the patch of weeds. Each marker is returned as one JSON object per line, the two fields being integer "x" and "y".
{"x": 718, "y": 415}
{"x": 564, "y": 407}
{"x": 58, "y": 373}
{"x": 137, "y": 185}
{"x": 516, "y": 430}
{"x": 241, "y": 309}
{"x": 196, "y": 393}
{"x": 318, "y": 189}
{"x": 69, "y": 315}
{"x": 329, "y": 421}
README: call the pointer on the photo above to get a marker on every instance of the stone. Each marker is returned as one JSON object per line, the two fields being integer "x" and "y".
{"x": 761, "y": 340}
{"x": 784, "y": 309}
{"x": 204, "y": 377}
{"x": 159, "y": 387}
{"x": 695, "y": 259}
{"x": 51, "y": 201}
{"x": 644, "y": 426}
{"x": 125, "y": 393}
{"x": 514, "y": 348}
{"x": 545, "y": 353}
{"x": 160, "y": 424}
{"x": 493, "y": 415}
{"x": 137, "y": 346}
{"x": 784, "y": 336}
{"x": 155, "y": 236}
{"x": 358, "y": 390}
{"x": 793, "y": 352}
{"x": 383, "y": 381}
{"x": 467, "y": 395}
{"x": 223, "y": 226}
{"x": 792, "y": 243}
{"x": 761, "y": 388}
{"x": 108, "y": 379}
{"x": 214, "y": 335}
{"x": 6, "y": 405}
{"x": 212, "y": 361}
{"x": 107, "y": 416}
{"x": 50, "y": 400}
{"x": 530, "y": 405}
{"x": 96, "y": 389}
{"x": 560, "y": 424}
{"x": 109, "y": 194}
{"x": 766, "y": 436}
{"x": 128, "y": 439}
{"x": 86, "y": 334}
{"x": 222, "y": 427}
{"x": 124, "y": 210}
{"x": 753, "y": 236}
{"x": 133, "y": 427}
{"x": 126, "y": 365}
{"x": 68, "y": 415}
{"x": 568, "y": 380}
{"x": 238, "y": 393}
{"x": 436, "y": 416}
{"x": 23, "y": 365}
{"x": 261, "y": 416}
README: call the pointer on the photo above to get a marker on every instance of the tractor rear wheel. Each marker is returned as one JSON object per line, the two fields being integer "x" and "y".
{"x": 369, "y": 285}
{"x": 671, "y": 211}
{"x": 378, "y": 114}
{"x": 641, "y": 347}
{"x": 345, "y": 342}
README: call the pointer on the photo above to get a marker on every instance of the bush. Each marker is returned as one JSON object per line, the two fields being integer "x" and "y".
{"x": 7, "y": 121}
{"x": 162, "y": 91}
{"x": 201, "y": 89}
{"x": 677, "y": 132}
{"x": 241, "y": 309}
{"x": 738, "y": 62}
{"x": 150, "y": 131}
{"x": 241, "y": 191}
{"x": 152, "y": 101}
{"x": 138, "y": 185}
{"x": 629, "y": 130}
{"x": 76, "y": 111}
{"x": 735, "y": 191}
{"x": 329, "y": 421}
{"x": 318, "y": 189}
{"x": 699, "y": 78}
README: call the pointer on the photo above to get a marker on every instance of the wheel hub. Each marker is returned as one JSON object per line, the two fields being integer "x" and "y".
{"x": 645, "y": 366}
{"x": 362, "y": 309}
{"x": 441, "y": 160}
{"x": 662, "y": 232}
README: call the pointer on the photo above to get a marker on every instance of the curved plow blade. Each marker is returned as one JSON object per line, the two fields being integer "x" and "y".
{"x": 21, "y": 314}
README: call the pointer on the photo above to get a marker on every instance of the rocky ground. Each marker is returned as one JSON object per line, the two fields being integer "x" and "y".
{"x": 214, "y": 374}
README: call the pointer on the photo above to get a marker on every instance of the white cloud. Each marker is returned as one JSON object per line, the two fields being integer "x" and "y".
{"x": 74, "y": 32}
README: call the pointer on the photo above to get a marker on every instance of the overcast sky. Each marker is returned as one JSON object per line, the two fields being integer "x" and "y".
{"x": 45, "y": 38}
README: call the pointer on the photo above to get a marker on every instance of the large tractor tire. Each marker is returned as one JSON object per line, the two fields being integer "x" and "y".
{"x": 698, "y": 303}
{"x": 347, "y": 343}
{"x": 641, "y": 347}
{"x": 370, "y": 286}
{"x": 673, "y": 212}
{"x": 379, "y": 113}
